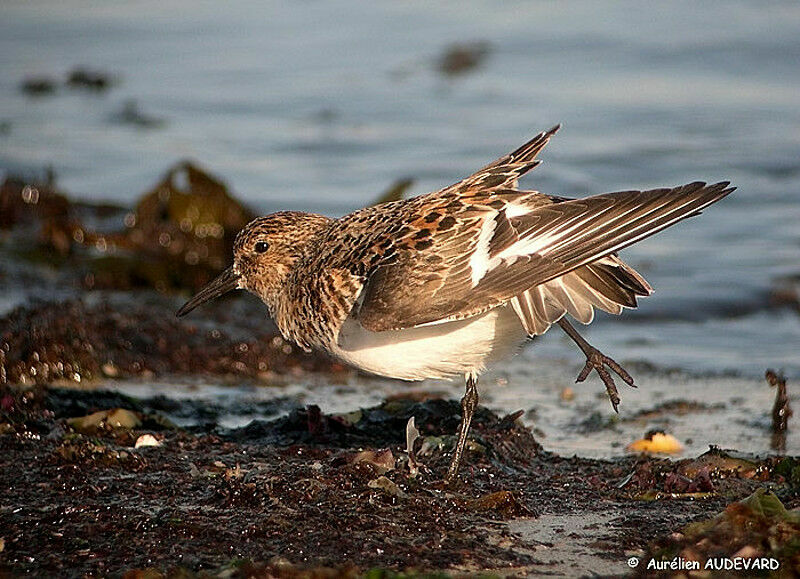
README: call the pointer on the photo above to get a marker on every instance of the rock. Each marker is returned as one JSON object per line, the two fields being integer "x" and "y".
{"x": 114, "y": 418}
{"x": 39, "y": 86}
{"x": 146, "y": 440}
{"x": 461, "y": 58}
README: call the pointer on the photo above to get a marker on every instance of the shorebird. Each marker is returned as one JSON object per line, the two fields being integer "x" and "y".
{"x": 447, "y": 283}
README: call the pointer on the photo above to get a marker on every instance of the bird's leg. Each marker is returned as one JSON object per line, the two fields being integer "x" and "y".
{"x": 468, "y": 405}
{"x": 596, "y": 360}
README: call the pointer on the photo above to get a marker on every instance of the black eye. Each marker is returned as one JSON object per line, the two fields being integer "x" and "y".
{"x": 261, "y": 246}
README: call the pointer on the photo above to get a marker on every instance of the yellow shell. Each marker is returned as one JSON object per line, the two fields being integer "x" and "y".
{"x": 656, "y": 442}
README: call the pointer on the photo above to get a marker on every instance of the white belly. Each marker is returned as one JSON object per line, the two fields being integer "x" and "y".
{"x": 434, "y": 351}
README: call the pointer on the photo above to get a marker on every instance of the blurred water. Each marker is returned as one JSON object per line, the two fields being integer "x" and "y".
{"x": 321, "y": 105}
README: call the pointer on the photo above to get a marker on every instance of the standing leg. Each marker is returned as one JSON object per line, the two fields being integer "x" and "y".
{"x": 468, "y": 405}
{"x": 596, "y": 360}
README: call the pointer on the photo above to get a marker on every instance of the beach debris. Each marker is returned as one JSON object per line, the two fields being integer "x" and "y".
{"x": 677, "y": 483}
{"x": 676, "y": 407}
{"x": 627, "y": 479}
{"x": 463, "y": 57}
{"x": 131, "y": 114}
{"x": 656, "y": 495}
{"x": 146, "y": 440}
{"x": 78, "y": 78}
{"x": 316, "y": 421}
{"x": 655, "y": 479}
{"x": 721, "y": 464}
{"x": 789, "y": 469}
{"x": 504, "y": 503}
{"x": 187, "y": 222}
{"x": 434, "y": 444}
{"x": 388, "y": 486}
{"x": 179, "y": 236}
{"x": 381, "y": 460}
{"x": 511, "y": 419}
{"x": 217, "y": 469}
{"x": 412, "y": 434}
{"x": 785, "y": 293}
{"x": 46, "y": 215}
{"x": 80, "y": 450}
{"x": 87, "y": 79}
{"x": 348, "y": 418}
{"x": 288, "y": 496}
{"x": 38, "y": 86}
{"x": 656, "y": 441}
{"x": 598, "y": 421}
{"x": 781, "y": 411}
{"x": 105, "y": 419}
{"x": 759, "y": 530}
{"x": 77, "y": 342}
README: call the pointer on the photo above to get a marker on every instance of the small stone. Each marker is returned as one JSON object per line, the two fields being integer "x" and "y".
{"x": 114, "y": 418}
{"x": 504, "y": 503}
{"x": 147, "y": 440}
{"x": 110, "y": 370}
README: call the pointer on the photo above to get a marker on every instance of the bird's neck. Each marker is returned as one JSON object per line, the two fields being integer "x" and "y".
{"x": 295, "y": 306}
{"x": 304, "y": 233}
{"x": 308, "y": 228}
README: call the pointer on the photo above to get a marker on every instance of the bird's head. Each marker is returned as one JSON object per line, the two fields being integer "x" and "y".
{"x": 264, "y": 253}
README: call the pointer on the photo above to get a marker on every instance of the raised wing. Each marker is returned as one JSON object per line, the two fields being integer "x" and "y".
{"x": 498, "y": 249}
{"x": 505, "y": 171}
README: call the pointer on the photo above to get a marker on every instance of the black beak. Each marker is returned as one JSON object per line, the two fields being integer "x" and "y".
{"x": 222, "y": 284}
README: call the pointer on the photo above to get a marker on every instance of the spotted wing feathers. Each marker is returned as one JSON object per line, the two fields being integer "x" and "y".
{"x": 505, "y": 171}
{"x": 499, "y": 252}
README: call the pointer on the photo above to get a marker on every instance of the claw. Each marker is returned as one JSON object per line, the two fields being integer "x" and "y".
{"x": 596, "y": 360}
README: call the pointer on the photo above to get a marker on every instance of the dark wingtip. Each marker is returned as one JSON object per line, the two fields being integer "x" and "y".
{"x": 722, "y": 189}
{"x": 553, "y": 130}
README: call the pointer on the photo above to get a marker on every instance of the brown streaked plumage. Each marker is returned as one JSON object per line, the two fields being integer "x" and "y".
{"x": 449, "y": 282}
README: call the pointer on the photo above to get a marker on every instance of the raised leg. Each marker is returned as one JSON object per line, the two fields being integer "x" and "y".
{"x": 468, "y": 405}
{"x": 596, "y": 360}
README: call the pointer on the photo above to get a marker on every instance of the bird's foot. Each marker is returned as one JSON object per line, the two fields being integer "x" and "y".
{"x": 596, "y": 360}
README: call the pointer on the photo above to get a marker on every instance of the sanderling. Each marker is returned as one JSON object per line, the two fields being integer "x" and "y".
{"x": 447, "y": 283}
